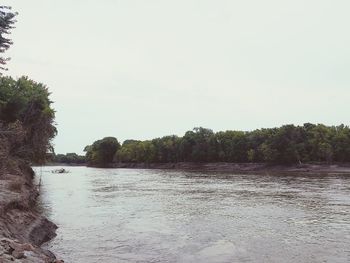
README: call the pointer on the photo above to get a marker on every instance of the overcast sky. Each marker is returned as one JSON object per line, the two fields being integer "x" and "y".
{"x": 144, "y": 69}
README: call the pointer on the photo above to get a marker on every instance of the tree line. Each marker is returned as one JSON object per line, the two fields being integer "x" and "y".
{"x": 288, "y": 144}
{"x": 68, "y": 158}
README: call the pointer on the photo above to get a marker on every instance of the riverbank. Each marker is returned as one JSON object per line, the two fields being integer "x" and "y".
{"x": 241, "y": 167}
{"x": 22, "y": 228}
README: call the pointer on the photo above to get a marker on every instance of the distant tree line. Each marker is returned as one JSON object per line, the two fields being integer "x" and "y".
{"x": 68, "y": 158}
{"x": 288, "y": 144}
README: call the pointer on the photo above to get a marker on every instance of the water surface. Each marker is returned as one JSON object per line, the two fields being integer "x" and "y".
{"x": 129, "y": 215}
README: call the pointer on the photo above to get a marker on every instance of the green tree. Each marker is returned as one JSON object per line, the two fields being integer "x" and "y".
{"x": 166, "y": 149}
{"x": 101, "y": 152}
{"x": 251, "y": 155}
{"x": 341, "y": 143}
{"x": 287, "y": 143}
{"x": 7, "y": 20}
{"x": 319, "y": 138}
{"x": 233, "y": 146}
{"x": 27, "y": 103}
{"x": 197, "y": 145}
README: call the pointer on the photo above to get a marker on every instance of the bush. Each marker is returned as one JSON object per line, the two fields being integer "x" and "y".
{"x": 26, "y": 119}
{"x": 101, "y": 152}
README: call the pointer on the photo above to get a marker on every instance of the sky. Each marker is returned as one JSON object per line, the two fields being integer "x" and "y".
{"x": 136, "y": 69}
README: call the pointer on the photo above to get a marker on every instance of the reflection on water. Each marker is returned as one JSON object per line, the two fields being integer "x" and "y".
{"x": 127, "y": 215}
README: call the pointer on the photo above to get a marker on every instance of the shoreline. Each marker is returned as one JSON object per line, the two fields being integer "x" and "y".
{"x": 312, "y": 168}
{"x": 241, "y": 167}
{"x": 23, "y": 229}
{"x": 341, "y": 168}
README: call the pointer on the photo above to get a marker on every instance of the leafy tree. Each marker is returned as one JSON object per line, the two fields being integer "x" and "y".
{"x": 233, "y": 146}
{"x": 319, "y": 139}
{"x": 134, "y": 151}
{"x": 287, "y": 143}
{"x": 166, "y": 149}
{"x": 196, "y": 145}
{"x": 341, "y": 143}
{"x": 251, "y": 155}
{"x": 26, "y": 113}
{"x": 27, "y": 103}
{"x": 326, "y": 152}
{"x": 7, "y": 20}
{"x": 101, "y": 152}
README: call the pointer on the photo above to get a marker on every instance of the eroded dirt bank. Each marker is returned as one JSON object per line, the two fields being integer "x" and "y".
{"x": 22, "y": 228}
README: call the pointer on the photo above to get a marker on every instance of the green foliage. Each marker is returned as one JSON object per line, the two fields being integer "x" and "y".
{"x": 288, "y": 144}
{"x": 69, "y": 158}
{"x": 7, "y": 19}
{"x": 26, "y": 103}
{"x": 101, "y": 152}
{"x": 165, "y": 149}
{"x": 136, "y": 151}
{"x": 251, "y": 155}
{"x": 26, "y": 117}
{"x": 233, "y": 146}
{"x": 197, "y": 145}
{"x": 341, "y": 143}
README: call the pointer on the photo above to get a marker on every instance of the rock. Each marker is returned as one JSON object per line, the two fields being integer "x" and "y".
{"x": 47, "y": 253}
{"x": 14, "y": 245}
{"x": 8, "y": 258}
{"x": 2, "y": 251}
{"x": 43, "y": 230}
{"x": 7, "y": 248}
{"x": 18, "y": 254}
{"x": 28, "y": 247}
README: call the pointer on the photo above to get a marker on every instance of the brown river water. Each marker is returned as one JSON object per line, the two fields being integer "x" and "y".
{"x": 130, "y": 215}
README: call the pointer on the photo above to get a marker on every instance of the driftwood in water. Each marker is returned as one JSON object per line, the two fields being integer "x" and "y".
{"x": 60, "y": 171}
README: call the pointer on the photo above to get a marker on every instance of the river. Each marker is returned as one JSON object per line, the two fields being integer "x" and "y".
{"x": 130, "y": 215}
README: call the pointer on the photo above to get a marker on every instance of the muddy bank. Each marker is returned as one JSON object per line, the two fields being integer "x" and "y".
{"x": 241, "y": 167}
{"x": 22, "y": 228}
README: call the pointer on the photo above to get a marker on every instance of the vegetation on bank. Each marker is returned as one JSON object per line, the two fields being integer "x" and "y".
{"x": 288, "y": 144}
{"x": 68, "y": 158}
{"x": 26, "y": 120}
{"x": 26, "y": 113}
{"x": 26, "y": 130}
{"x": 101, "y": 153}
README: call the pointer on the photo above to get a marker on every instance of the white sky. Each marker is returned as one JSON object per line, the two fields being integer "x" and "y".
{"x": 144, "y": 69}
